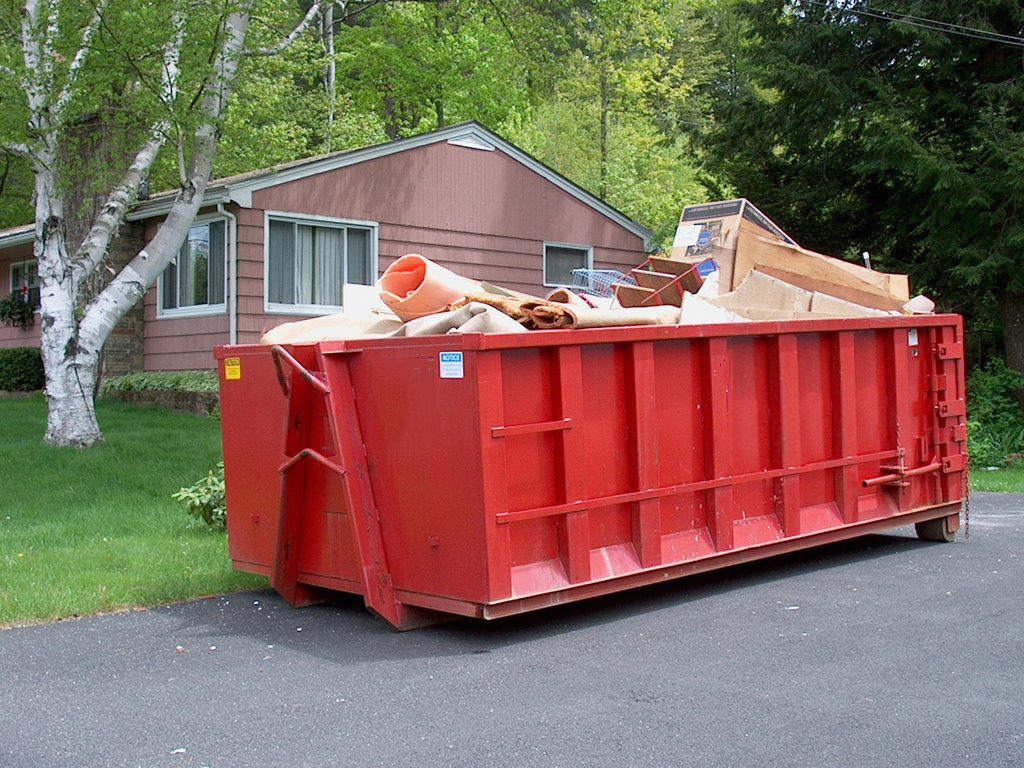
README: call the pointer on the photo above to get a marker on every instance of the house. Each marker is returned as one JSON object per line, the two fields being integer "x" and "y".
{"x": 289, "y": 236}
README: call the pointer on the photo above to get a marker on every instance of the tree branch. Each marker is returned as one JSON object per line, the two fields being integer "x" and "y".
{"x": 132, "y": 282}
{"x": 19, "y": 150}
{"x": 301, "y": 27}
{"x": 94, "y": 245}
{"x": 80, "y": 56}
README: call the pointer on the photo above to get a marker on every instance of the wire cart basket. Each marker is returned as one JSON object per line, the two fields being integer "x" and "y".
{"x": 598, "y": 282}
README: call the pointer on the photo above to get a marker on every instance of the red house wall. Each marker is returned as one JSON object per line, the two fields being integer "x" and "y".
{"x": 15, "y": 337}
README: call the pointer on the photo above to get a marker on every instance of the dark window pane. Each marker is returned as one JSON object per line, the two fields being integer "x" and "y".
{"x": 560, "y": 261}
{"x": 281, "y": 280}
{"x": 359, "y": 268}
{"x": 218, "y": 256}
{"x": 169, "y": 288}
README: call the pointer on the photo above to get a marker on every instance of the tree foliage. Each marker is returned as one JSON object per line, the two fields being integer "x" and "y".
{"x": 858, "y": 133}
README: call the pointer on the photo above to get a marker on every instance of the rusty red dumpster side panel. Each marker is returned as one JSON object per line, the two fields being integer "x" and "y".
{"x": 487, "y": 475}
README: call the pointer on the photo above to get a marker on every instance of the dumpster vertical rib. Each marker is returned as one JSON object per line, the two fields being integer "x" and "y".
{"x": 491, "y": 408}
{"x": 952, "y": 436}
{"x": 718, "y": 440}
{"x": 786, "y": 390}
{"x": 643, "y": 452}
{"x": 900, "y": 411}
{"x": 574, "y": 527}
{"x": 378, "y": 589}
{"x": 844, "y": 382}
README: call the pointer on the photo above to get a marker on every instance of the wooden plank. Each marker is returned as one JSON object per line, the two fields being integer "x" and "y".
{"x": 692, "y": 280}
{"x": 760, "y": 252}
{"x": 669, "y": 287}
{"x": 635, "y": 296}
{"x": 843, "y": 291}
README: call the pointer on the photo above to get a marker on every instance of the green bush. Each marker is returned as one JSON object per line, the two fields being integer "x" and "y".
{"x": 995, "y": 425}
{"x": 162, "y": 381}
{"x": 16, "y": 312}
{"x": 21, "y": 369}
{"x": 204, "y": 500}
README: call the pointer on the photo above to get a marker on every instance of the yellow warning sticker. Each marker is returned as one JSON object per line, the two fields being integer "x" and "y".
{"x": 232, "y": 368}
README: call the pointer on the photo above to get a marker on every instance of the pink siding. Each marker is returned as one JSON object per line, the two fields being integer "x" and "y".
{"x": 480, "y": 213}
{"x": 179, "y": 343}
{"x": 15, "y": 337}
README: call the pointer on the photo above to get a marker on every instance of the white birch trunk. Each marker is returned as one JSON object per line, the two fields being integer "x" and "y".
{"x": 72, "y": 338}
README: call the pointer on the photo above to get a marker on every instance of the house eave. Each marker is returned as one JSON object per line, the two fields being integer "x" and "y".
{"x": 19, "y": 237}
{"x": 470, "y": 134}
{"x": 149, "y": 209}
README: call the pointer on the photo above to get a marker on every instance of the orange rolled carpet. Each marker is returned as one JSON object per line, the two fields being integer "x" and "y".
{"x": 415, "y": 286}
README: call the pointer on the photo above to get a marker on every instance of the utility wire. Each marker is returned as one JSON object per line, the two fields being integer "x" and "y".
{"x": 930, "y": 24}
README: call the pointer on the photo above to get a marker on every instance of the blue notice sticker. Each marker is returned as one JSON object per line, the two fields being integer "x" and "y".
{"x": 451, "y": 365}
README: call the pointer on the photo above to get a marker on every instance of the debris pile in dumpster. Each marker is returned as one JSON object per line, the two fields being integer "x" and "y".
{"x": 729, "y": 263}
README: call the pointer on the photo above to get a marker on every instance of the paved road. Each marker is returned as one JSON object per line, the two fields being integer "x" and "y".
{"x": 882, "y": 652}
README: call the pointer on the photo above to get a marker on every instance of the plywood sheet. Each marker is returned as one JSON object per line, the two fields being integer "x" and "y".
{"x": 844, "y": 291}
{"x": 754, "y": 252}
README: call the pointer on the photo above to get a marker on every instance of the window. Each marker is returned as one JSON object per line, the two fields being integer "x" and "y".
{"x": 25, "y": 281}
{"x": 560, "y": 260}
{"x": 308, "y": 263}
{"x": 194, "y": 282}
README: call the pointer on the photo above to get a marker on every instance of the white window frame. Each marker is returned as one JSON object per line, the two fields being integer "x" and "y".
{"x": 315, "y": 310}
{"x": 10, "y": 278}
{"x": 198, "y": 310}
{"x": 544, "y": 258}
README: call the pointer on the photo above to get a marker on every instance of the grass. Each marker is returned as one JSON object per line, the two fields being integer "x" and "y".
{"x": 1006, "y": 480}
{"x": 83, "y": 532}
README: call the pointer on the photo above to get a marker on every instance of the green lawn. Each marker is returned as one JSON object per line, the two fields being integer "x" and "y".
{"x": 88, "y": 531}
{"x": 1009, "y": 480}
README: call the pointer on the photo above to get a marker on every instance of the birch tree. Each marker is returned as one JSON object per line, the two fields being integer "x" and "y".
{"x": 178, "y": 61}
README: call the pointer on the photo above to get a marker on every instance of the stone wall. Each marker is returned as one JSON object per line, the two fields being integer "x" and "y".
{"x": 199, "y": 403}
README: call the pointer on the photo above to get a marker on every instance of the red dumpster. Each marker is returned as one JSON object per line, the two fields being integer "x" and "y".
{"x": 486, "y": 475}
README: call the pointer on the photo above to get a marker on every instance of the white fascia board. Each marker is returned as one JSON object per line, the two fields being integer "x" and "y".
{"x": 149, "y": 210}
{"x": 19, "y": 237}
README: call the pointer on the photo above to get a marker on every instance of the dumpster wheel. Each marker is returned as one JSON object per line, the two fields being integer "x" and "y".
{"x": 934, "y": 530}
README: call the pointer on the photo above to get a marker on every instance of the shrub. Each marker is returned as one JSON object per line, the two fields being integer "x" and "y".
{"x": 995, "y": 426}
{"x": 204, "y": 500}
{"x": 16, "y": 312}
{"x": 21, "y": 369}
{"x": 162, "y": 381}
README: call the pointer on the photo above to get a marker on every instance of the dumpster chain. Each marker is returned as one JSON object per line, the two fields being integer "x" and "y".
{"x": 967, "y": 495}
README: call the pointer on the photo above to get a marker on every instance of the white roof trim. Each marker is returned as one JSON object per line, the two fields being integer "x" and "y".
{"x": 18, "y": 237}
{"x": 162, "y": 208}
{"x": 241, "y": 192}
{"x": 471, "y": 142}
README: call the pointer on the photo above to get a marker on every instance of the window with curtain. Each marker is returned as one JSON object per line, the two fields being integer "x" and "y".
{"x": 25, "y": 282}
{"x": 195, "y": 280}
{"x": 561, "y": 260}
{"x": 309, "y": 263}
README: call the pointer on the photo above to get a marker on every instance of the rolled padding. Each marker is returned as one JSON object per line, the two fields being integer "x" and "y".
{"x": 415, "y": 286}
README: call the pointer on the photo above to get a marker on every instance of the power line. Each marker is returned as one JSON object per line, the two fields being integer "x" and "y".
{"x": 933, "y": 25}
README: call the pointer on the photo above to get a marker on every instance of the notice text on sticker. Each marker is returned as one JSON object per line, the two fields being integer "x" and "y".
{"x": 451, "y": 365}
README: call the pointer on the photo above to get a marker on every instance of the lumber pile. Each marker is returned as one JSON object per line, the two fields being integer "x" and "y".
{"x": 762, "y": 273}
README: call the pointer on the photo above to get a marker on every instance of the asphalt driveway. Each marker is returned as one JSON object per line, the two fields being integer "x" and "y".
{"x": 885, "y": 651}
